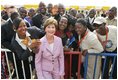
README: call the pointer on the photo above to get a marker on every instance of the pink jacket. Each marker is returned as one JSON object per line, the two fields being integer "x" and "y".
{"x": 45, "y": 60}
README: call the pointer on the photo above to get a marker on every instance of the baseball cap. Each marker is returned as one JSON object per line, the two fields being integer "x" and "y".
{"x": 99, "y": 20}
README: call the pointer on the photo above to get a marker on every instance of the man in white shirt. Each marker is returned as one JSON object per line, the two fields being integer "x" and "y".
{"x": 108, "y": 38}
{"x": 112, "y": 20}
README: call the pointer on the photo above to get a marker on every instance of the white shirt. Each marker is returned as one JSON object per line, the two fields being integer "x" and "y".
{"x": 91, "y": 20}
{"x": 111, "y": 22}
{"x": 91, "y": 43}
{"x": 20, "y": 41}
{"x": 10, "y": 20}
{"x": 30, "y": 58}
{"x": 112, "y": 38}
{"x": 51, "y": 46}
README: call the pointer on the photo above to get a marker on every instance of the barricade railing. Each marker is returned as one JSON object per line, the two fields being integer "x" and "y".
{"x": 70, "y": 65}
{"x": 7, "y": 61}
{"x": 5, "y": 51}
{"x": 114, "y": 55}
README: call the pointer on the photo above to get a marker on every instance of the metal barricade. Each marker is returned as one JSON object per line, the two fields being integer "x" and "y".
{"x": 114, "y": 55}
{"x": 16, "y": 70}
{"x": 17, "y": 75}
{"x": 5, "y": 51}
{"x": 68, "y": 67}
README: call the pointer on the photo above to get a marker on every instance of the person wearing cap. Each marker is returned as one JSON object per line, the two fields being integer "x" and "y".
{"x": 49, "y": 61}
{"x": 107, "y": 35}
{"x": 89, "y": 43}
{"x": 111, "y": 19}
{"x": 24, "y": 45}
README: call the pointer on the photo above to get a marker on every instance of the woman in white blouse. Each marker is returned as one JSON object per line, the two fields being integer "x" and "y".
{"x": 89, "y": 43}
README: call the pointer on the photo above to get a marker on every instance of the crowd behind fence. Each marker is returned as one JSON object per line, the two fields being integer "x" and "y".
{"x": 70, "y": 35}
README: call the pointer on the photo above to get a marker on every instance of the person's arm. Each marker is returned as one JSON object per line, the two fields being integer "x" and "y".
{"x": 38, "y": 62}
{"x": 36, "y": 32}
{"x": 36, "y": 20}
{"x": 40, "y": 33}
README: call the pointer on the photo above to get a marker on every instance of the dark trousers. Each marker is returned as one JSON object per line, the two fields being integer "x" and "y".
{"x": 74, "y": 65}
{"x": 109, "y": 61}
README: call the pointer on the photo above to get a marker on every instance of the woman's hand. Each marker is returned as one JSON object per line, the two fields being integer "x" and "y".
{"x": 104, "y": 44}
{"x": 35, "y": 44}
{"x": 66, "y": 49}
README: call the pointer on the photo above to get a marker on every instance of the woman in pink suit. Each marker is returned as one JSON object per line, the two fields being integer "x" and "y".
{"x": 49, "y": 60}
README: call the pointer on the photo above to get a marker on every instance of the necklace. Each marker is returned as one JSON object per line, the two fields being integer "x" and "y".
{"x": 105, "y": 39}
{"x": 79, "y": 42}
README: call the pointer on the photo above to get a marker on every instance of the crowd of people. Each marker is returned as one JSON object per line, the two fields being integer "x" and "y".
{"x": 40, "y": 37}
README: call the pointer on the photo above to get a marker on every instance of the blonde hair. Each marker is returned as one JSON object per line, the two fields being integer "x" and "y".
{"x": 49, "y": 21}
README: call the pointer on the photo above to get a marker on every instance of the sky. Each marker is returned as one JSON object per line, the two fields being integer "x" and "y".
{"x": 65, "y": 2}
